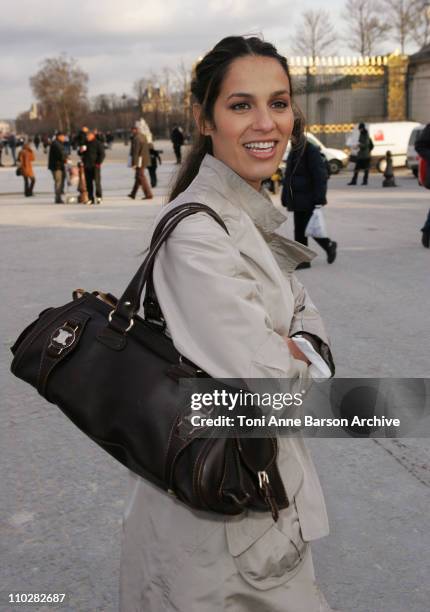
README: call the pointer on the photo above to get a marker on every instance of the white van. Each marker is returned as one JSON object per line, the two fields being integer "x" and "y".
{"x": 387, "y": 136}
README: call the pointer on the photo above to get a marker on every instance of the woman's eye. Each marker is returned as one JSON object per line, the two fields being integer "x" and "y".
{"x": 280, "y": 104}
{"x": 240, "y": 106}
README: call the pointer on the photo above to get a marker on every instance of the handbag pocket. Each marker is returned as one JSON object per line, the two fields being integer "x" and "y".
{"x": 267, "y": 554}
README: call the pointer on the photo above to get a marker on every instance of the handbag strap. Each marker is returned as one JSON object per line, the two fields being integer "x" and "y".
{"x": 121, "y": 317}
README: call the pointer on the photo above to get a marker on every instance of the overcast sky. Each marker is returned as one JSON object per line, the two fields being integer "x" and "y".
{"x": 119, "y": 41}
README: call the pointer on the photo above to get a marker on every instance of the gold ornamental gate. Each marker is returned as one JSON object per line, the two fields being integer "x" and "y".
{"x": 384, "y": 78}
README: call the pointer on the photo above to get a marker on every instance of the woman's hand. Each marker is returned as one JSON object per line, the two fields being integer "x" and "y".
{"x": 295, "y": 351}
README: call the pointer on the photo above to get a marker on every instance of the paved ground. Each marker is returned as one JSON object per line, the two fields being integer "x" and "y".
{"x": 62, "y": 498}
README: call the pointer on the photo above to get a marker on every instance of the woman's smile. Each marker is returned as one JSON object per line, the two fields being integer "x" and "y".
{"x": 261, "y": 149}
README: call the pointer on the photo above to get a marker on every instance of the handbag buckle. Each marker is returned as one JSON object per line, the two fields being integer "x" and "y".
{"x": 62, "y": 338}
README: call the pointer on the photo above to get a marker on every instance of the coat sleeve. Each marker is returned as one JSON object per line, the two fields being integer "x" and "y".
{"x": 100, "y": 153}
{"x": 134, "y": 151}
{"x": 213, "y": 306}
{"x": 286, "y": 182}
{"x": 318, "y": 172}
{"x": 308, "y": 323}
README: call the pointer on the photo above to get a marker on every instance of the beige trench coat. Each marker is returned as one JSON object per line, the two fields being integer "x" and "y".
{"x": 228, "y": 300}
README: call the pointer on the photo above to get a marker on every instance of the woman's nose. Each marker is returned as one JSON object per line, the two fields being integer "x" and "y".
{"x": 263, "y": 120}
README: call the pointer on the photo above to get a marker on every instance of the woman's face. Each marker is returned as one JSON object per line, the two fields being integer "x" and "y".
{"x": 253, "y": 118}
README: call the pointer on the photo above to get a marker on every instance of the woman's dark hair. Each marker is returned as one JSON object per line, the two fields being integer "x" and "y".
{"x": 205, "y": 87}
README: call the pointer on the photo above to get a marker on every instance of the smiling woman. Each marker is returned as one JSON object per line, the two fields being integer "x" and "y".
{"x": 233, "y": 307}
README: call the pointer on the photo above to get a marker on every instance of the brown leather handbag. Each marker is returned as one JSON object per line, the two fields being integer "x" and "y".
{"x": 117, "y": 376}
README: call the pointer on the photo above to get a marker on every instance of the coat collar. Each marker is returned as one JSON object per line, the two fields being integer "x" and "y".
{"x": 269, "y": 220}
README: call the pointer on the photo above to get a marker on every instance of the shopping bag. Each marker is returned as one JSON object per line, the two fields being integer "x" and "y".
{"x": 316, "y": 227}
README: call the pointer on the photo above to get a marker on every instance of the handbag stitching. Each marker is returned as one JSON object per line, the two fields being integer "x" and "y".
{"x": 206, "y": 450}
{"x": 199, "y": 465}
{"x": 166, "y": 455}
{"x": 220, "y": 488}
{"x": 196, "y": 468}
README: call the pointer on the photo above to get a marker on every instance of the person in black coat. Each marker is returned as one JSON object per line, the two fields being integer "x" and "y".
{"x": 422, "y": 147}
{"x": 155, "y": 160}
{"x": 364, "y": 153}
{"x": 92, "y": 154}
{"x": 56, "y": 164}
{"x": 177, "y": 138}
{"x": 304, "y": 188}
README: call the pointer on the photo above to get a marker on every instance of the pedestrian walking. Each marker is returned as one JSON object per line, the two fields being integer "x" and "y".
{"x": 177, "y": 138}
{"x": 82, "y": 184}
{"x": 37, "y": 141}
{"x": 233, "y": 305}
{"x": 12, "y": 143}
{"x": 109, "y": 139}
{"x": 139, "y": 160}
{"x": 68, "y": 144}
{"x": 363, "y": 155}
{"x": 56, "y": 163}
{"x": 1, "y": 149}
{"x": 422, "y": 147}
{"x": 304, "y": 188}
{"x": 100, "y": 136}
{"x": 155, "y": 160}
{"x": 92, "y": 154}
{"x": 26, "y": 158}
{"x": 46, "y": 143}
{"x": 81, "y": 138}
{"x": 389, "y": 180}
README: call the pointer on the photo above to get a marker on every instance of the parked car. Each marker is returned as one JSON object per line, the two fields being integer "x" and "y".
{"x": 412, "y": 156}
{"x": 336, "y": 159}
{"x": 386, "y": 136}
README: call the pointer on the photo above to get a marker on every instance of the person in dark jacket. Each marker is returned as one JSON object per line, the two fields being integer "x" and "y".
{"x": 92, "y": 154}
{"x": 177, "y": 138}
{"x": 81, "y": 138}
{"x": 12, "y": 142}
{"x": 422, "y": 147}
{"x": 155, "y": 157}
{"x": 46, "y": 143}
{"x": 304, "y": 188}
{"x": 365, "y": 146}
{"x": 139, "y": 160}
{"x": 56, "y": 163}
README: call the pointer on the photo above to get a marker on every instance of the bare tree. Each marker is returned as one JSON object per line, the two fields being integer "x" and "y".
{"x": 421, "y": 22}
{"x": 60, "y": 87}
{"x": 399, "y": 14}
{"x": 182, "y": 99}
{"x": 316, "y": 34}
{"x": 141, "y": 86}
{"x": 365, "y": 29}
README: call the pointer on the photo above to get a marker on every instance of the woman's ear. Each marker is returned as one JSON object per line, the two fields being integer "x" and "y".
{"x": 204, "y": 128}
